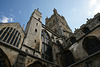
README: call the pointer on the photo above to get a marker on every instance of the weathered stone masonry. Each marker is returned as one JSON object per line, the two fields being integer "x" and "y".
{"x": 50, "y": 45}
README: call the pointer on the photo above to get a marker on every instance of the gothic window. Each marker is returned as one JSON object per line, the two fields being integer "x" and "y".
{"x": 39, "y": 19}
{"x": 46, "y": 48}
{"x": 36, "y": 24}
{"x": 91, "y": 44}
{"x": 35, "y": 30}
{"x": 67, "y": 58}
{"x": 86, "y": 30}
{"x": 73, "y": 40}
{"x": 34, "y": 41}
{"x": 10, "y": 35}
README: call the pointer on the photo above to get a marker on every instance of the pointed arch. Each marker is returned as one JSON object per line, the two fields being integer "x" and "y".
{"x": 46, "y": 46}
{"x": 91, "y": 44}
{"x": 67, "y": 58}
{"x": 4, "y": 61}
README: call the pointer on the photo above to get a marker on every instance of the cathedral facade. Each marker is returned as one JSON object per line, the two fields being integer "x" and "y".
{"x": 50, "y": 45}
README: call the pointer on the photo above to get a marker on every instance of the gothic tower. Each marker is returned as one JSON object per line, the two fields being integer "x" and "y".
{"x": 33, "y": 30}
{"x": 58, "y": 24}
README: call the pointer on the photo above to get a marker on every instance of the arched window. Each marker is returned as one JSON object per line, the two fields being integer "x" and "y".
{"x": 86, "y": 30}
{"x": 10, "y": 35}
{"x": 91, "y": 44}
{"x": 35, "y": 30}
{"x": 67, "y": 58}
{"x": 39, "y": 19}
{"x": 73, "y": 40}
{"x": 36, "y": 24}
{"x": 46, "y": 47}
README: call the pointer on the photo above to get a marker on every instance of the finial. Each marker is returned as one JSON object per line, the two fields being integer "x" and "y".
{"x": 87, "y": 19}
{"x": 55, "y": 11}
{"x": 37, "y": 9}
{"x": 46, "y": 18}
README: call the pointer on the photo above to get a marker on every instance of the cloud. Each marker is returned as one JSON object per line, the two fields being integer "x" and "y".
{"x": 6, "y": 19}
{"x": 94, "y": 7}
{"x": 92, "y": 3}
{"x": 20, "y": 12}
{"x": 97, "y": 9}
{"x": 12, "y": 15}
{"x": 11, "y": 19}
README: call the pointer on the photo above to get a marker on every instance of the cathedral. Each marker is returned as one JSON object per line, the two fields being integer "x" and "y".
{"x": 50, "y": 45}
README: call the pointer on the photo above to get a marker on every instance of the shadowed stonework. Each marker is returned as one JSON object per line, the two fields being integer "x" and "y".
{"x": 50, "y": 45}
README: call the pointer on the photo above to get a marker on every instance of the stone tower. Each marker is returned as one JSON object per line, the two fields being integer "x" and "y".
{"x": 58, "y": 24}
{"x": 33, "y": 30}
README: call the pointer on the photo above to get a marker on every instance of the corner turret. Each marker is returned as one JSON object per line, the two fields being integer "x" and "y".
{"x": 36, "y": 14}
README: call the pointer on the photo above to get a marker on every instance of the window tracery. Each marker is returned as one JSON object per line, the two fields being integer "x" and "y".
{"x": 46, "y": 48}
{"x": 10, "y": 35}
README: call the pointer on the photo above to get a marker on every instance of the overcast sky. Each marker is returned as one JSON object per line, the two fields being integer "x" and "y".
{"x": 75, "y": 11}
